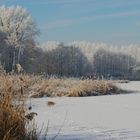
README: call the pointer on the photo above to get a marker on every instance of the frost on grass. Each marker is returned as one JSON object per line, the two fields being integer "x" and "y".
{"x": 38, "y": 86}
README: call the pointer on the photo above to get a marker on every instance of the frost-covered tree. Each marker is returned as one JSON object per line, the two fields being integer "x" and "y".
{"x": 18, "y": 28}
{"x": 66, "y": 61}
{"x": 109, "y": 63}
{"x": 103, "y": 59}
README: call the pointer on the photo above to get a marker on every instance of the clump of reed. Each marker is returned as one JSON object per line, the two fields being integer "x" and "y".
{"x": 16, "y": 120}
{"x": 72, "y": 87}
{"x": 14, "y": 124}
{"x": 39, "y": 86}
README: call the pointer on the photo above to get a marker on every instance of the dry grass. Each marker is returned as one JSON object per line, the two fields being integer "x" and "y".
{"x": 14, "y": 124}
{"x": 37, "y": 86}
{"x": 16, "y": 121}
{"x": 17, "y": 84}
{"x": 72, "y": 87}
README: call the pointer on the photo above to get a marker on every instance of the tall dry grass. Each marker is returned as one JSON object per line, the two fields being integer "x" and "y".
{"x": 72, "y": 87}
{"x": 39, "y": 86}
{"x": 16, "y": 121}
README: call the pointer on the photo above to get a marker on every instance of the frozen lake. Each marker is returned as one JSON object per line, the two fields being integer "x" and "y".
{"x": 115, "y": 117}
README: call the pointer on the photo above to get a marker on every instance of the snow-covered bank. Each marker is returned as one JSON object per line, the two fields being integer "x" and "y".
{"x": 113, "y": 117}
{"x": 132, "y": 86}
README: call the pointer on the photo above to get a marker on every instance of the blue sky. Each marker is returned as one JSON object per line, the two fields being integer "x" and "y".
{"x": 109, "y": 21}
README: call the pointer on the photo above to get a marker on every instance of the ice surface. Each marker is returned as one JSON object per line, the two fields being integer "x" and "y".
{"x": 112, "y": 117}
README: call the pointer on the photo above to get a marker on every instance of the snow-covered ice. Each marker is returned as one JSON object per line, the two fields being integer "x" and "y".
{"x": 112, "y": 117}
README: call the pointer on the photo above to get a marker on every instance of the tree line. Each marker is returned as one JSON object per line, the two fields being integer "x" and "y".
{"x": 18, "y": 45}
{"x": 103, "y": 61}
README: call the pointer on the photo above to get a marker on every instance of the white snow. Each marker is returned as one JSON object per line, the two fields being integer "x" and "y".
{"x": 112, "y": 117}
{"x": 132, "y": 86}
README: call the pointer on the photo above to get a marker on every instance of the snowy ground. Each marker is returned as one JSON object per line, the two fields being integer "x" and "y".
{"x": 115, "y": 117}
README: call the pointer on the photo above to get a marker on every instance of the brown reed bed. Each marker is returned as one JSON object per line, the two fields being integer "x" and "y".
{"x": 14, "y": 123}
{"x": 39, "y": 86}
{"x": 16, "y": 120}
